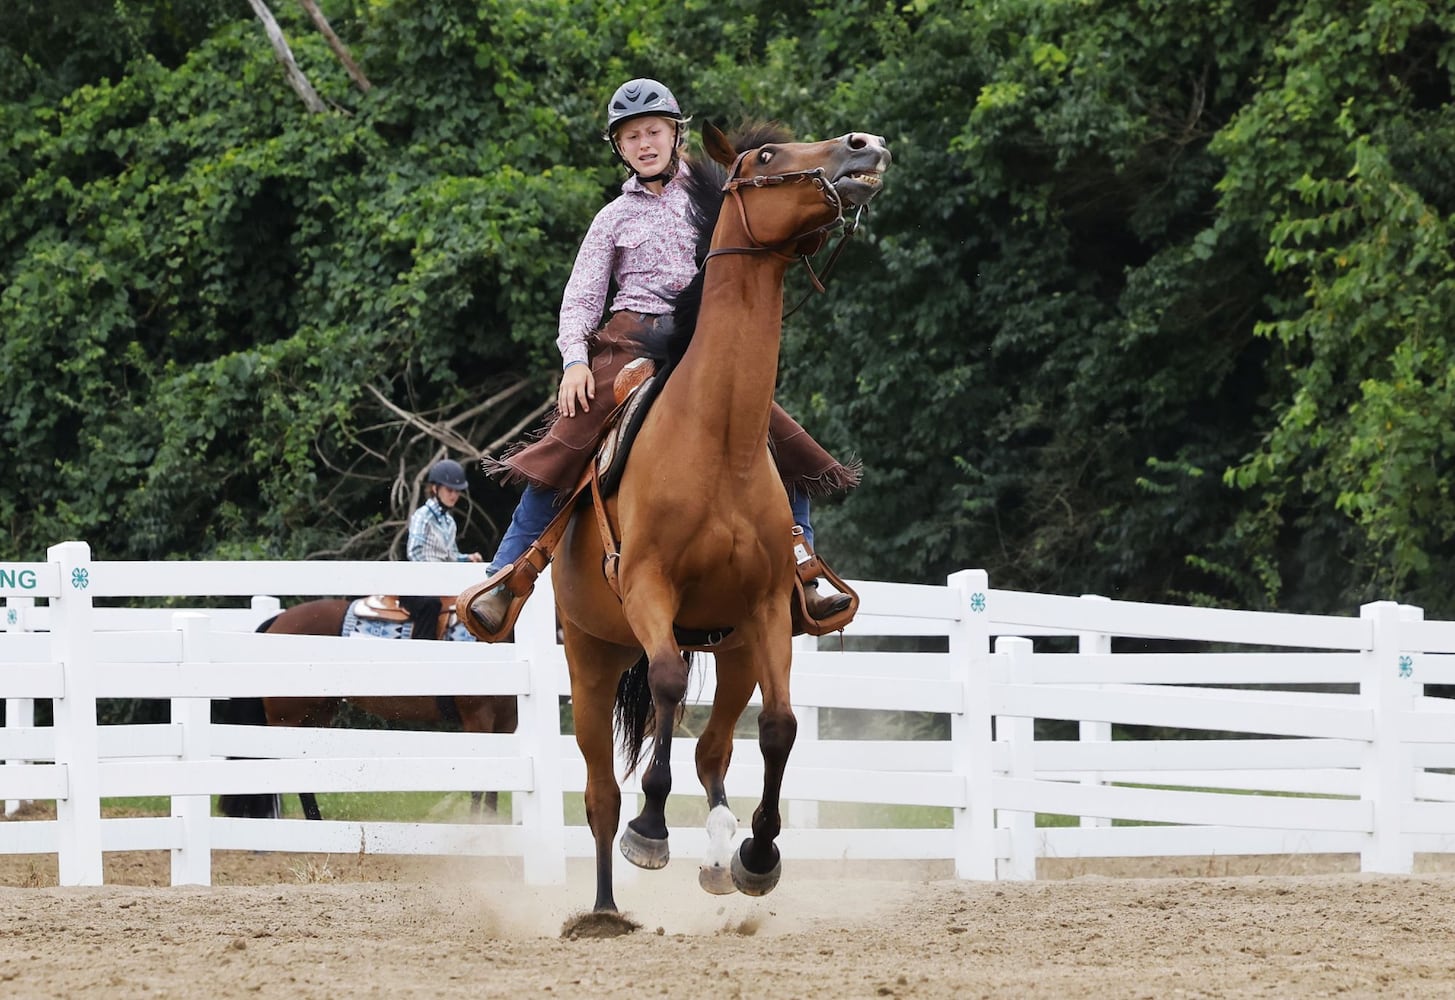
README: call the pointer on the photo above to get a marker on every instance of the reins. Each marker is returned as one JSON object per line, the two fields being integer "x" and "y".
{"x": 733, "y": 185}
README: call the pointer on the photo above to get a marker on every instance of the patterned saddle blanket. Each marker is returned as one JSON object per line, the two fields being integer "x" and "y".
{"x": 384, "y": 618}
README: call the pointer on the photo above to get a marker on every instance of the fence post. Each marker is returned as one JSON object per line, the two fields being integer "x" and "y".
{"x": 1387, "y": 780}
{"x": 543, "y": 811}
{"x": 265, "y": 606}
{"x": 192, "y": 862}
{"x": 1020, "y": 733}
{"x": 970, "y": 734}
{"x": 18, "y": 711}
{"x": 1092, "y": 644}
{"x": 73, "y": 645}
{"x": 803, "y": 813}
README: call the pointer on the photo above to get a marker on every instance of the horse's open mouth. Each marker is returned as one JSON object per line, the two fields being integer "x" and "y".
{"x": 858, "y": 187}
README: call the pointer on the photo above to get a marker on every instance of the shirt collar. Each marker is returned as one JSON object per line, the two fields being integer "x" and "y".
{"x": 634, "y": 185}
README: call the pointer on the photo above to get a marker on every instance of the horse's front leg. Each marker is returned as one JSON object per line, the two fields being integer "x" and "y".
{"x": 735, "y": 682}
{"x": 644, "y": 842}
{"x": 757, "y": 865}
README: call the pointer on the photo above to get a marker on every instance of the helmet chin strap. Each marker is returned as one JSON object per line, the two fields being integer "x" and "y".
{"x": 665, "y": 175}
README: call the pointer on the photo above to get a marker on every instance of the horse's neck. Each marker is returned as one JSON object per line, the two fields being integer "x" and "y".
{"x": 731, "y": 367}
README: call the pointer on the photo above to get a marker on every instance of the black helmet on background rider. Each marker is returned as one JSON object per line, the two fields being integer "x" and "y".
{"x": 637, "y": 99}
{"x": 448, "y": 472}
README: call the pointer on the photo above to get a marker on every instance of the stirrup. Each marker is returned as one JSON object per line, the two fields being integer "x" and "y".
{"x": 810, "y": 567}
{"x": 519, "y": 580}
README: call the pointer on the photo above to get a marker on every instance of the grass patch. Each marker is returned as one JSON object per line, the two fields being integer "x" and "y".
{"x": 392, "y": 807}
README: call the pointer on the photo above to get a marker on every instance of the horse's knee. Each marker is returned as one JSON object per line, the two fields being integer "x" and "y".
{"x": 667, "y": 678}
{"x": 776, "y": 733}
{"x": 603, "y": 802}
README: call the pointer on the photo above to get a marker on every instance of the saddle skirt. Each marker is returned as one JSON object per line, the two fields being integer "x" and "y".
{"x": 635, "y": 389}
{"x": 381, "y": 616}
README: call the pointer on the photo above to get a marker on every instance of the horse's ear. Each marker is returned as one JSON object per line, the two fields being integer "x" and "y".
{"x": 716, "y": 144}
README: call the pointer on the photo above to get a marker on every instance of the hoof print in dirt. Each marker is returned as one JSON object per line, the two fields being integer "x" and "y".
{"x": 598, "y": 925}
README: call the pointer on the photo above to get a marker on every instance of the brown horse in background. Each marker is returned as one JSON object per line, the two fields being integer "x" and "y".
{"x": 473, "y": 714}
{"x": 703, "y": 521}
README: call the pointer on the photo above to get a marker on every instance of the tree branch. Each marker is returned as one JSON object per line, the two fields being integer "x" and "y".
{"x": 295, "y": 76}
{"x": 339, "y": 48}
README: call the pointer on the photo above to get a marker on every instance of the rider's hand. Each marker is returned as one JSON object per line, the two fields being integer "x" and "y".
{"x": 578, "y": 388}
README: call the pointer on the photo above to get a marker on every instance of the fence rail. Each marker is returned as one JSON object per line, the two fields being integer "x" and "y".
{"x": 1262, "y": 733}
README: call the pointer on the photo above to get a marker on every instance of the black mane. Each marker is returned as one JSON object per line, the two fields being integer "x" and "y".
{"x": 703, "y": 184}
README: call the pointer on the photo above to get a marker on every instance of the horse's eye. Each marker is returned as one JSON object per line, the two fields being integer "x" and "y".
{"x": 764, "y": 155}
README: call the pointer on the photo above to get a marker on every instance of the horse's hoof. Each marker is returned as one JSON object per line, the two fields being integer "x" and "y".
{"x": 644, "y": 852}
{"x": 752, "y": 883}
{"x": 717, "y": 880}
{"x": 598, "y": 924}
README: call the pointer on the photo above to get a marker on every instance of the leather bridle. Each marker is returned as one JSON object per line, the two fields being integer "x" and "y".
{"x": 819, "y": 177}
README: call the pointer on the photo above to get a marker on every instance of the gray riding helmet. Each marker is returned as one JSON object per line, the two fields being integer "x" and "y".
{"x": 448, "y": 472}
{"x": 637, "y": 99}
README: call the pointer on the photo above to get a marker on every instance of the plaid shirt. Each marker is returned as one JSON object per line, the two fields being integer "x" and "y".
{"x": 432, "y": 535}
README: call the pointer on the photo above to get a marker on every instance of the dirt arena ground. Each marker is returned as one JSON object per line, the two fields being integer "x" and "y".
{"x": 314, "y": 926}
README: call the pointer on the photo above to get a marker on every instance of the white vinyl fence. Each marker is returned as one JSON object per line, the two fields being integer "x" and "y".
{"x": 1336, "y": 748}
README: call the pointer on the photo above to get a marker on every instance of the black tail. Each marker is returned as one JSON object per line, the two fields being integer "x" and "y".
{"x": 246, "y": 712}
{"x": 634, "y": 713}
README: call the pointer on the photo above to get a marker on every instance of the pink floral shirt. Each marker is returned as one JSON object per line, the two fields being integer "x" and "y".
{"x": 642, "y": 241}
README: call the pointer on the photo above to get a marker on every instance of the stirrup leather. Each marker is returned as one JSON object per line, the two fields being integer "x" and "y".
{"x": 810, "y": 567}
{"x": 520, "y": 576}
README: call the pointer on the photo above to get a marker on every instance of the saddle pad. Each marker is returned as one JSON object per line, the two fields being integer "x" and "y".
{"x": 367, "y": 626}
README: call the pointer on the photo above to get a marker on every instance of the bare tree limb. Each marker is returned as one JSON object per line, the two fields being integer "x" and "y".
{"x": 339, "y": 48}
{"x": 444, "y": 435}
{"x": 445, "y": 432}
{"x": 295, "y": 76}
{"x": 389, "y": 457}
{"x": 519, "y": 428}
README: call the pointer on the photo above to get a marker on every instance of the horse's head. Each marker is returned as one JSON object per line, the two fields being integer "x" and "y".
{"x": 790, "y": 194}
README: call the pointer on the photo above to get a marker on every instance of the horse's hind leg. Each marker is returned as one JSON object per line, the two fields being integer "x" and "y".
{"x": 487, "y": 714}
{"x": 596, "y": 668}
{"x": 310, "y": 805}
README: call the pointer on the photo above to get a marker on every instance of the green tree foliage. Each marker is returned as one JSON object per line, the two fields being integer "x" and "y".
{"x": 1153, "y": 305}
{"x": 1057, "y": 345}
{"x": 203, "y": 280}
{"x": 1334, "y": 164}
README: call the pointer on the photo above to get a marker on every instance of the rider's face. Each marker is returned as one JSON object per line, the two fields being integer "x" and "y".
{"x": 646, "y": 143}
{"x": 447, "y": 496}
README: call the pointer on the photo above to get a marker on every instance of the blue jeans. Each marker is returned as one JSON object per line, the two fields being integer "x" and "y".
{"x": 532, "y": 514}
{"x": 798, "y": 503}
{"x": 538, "y": 506}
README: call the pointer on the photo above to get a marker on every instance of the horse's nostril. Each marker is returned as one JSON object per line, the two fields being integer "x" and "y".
{"x": 857, "y": 140}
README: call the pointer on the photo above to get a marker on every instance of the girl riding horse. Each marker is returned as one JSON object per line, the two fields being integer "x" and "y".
{"x": 645, "y": 243}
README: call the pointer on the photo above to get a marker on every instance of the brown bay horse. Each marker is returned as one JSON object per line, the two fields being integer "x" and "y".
{"x": 703, "y": 519}
{"x": 472, "y": 714}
